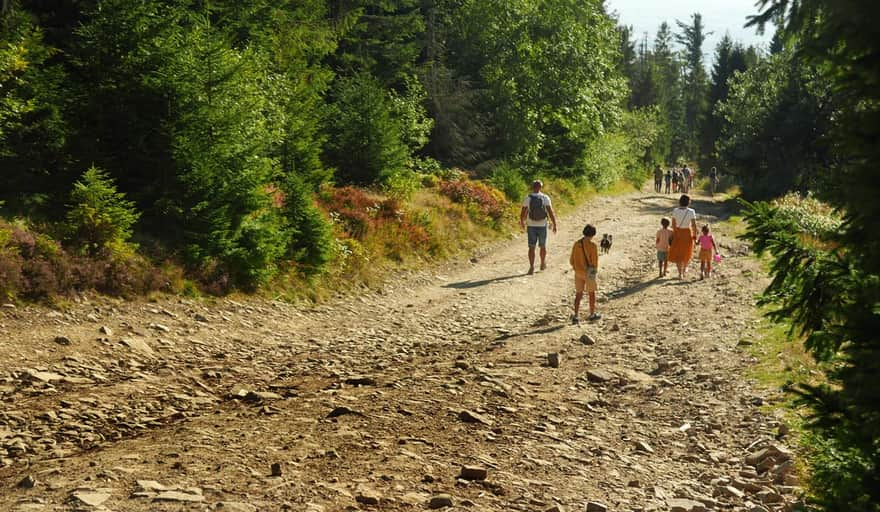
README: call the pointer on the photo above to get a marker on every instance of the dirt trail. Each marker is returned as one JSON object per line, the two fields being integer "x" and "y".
{"x": 379, "y": 401}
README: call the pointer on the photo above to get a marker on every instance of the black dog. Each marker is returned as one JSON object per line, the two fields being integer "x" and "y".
{"x": 606, "y": 242}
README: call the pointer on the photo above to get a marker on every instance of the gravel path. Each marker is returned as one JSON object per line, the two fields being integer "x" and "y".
{"x": 462, "y": 388}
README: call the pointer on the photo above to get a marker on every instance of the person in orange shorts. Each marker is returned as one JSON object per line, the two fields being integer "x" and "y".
{"x": 684, "y": 234}
{"x": 707, "y": 245}
{"x": 585, "y": 262}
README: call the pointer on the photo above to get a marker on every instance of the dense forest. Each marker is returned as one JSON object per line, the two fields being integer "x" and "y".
{"x": 243, "y": 140}
{"x": 204, "y": 131}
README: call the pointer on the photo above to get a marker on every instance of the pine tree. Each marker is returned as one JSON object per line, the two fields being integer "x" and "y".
{"x": 692, "y": 37}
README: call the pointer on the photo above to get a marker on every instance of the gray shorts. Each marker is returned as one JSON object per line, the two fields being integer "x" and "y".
{"x": 662, "y": 256}
{"x": 537, "y": 235}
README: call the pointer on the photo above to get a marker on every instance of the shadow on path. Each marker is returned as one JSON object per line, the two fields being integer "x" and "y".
{"x": 463, "y": 285}
{"x": 718, "y": 210}
{"x": 543, "y": 330}
{"x": 633, "y": 288}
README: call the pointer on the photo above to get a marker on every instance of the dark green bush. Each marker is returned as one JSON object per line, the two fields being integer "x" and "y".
{"x": 365, "y": 143}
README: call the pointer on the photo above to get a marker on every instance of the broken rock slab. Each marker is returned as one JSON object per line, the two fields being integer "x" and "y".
{"x": 180, "y": 497}
{"x": 472, "y": 417}
{"x": 685, "y": 505}
{"x": 90, "y": 497}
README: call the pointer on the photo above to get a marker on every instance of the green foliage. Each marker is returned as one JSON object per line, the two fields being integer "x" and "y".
{"x": 222, "y": 129}
{"x": 808, "y": 215}
{"x": 695, "y": 84}
{"x": 509, "y": 180}
{"x": 776, "y": 121}
{"x": 100, "y": 217}
{"x": 566, "y": 90}
{"x": 830, "y": 287}
{"x": 365, "y": 143}
{"x": 220, "y": 120}
{"x": 32, "y": 132}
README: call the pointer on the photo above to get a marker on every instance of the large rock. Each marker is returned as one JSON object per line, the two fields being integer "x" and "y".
{"x": 440, "y": 501}
{"x": 473, "y": 473}
{"x": 599, "y": 375}
{"x": 595, "y": 506}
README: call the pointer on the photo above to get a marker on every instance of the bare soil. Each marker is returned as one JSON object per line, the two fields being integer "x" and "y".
{"x": 378, "y": 401}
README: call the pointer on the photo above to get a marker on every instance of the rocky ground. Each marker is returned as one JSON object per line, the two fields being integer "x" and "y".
{"x": 462, "y": 388}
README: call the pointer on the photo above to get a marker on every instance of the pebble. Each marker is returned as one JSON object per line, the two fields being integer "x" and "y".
{"x": 554, "y": 359}
{"x": 586, "y": 339}
{"x": 28, "y": 482}
{"x": 62, "y": 340}
{"x": 368, "y": 498}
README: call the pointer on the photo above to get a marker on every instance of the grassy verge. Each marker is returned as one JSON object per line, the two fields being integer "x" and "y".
{"x": 375, "y": 235}
{"x": 437, "y": 223}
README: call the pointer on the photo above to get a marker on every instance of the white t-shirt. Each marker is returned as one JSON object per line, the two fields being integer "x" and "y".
{"x": 546, "y": 199}
{"x": 683, "y": 216}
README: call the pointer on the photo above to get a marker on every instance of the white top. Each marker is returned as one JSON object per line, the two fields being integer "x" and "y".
{"x": 537, "y": 223}
{"x": 683, "y": 216}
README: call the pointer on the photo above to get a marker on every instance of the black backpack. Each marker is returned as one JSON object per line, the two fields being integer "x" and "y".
{"x": 537, "y": 210}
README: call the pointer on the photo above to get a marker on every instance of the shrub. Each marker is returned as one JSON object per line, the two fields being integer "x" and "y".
{"x": 310, "y": 235}
{"x": 33, "y": 266}
{"x": 365, "y": 143}
{"x": 480, "y": 199}
{"x": 809, "y": 215}
{"x": 509, "y": 180}
{"x": 99, "y": 216}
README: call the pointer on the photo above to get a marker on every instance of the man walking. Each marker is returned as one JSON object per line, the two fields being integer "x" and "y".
{"x": 658, "y": 179}
{"x": 536, "y": 209}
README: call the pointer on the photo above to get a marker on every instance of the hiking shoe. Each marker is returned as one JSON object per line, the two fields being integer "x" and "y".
{"x": 594, "y": 317}
{"x": 574, "y": 320}
{"x": 531, "y": 271}
{"x": 543, "y": 266}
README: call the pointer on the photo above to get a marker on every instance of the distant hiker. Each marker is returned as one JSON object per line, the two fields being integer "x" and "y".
{"x": 663, "y": 241}
{"x": 585, "y": 262}
{"x": 658, "y": 179}
{"x": 690, "y": 174}
{"x": 685, "y": 179}
{"x": 536, "y": 209}
{"x": 713, "y": 180}
{"x": 684, "y": 234}
{"x": 676, "y": 181}
{"x": 668, "y": 179}
{"x": 707, "y": 245}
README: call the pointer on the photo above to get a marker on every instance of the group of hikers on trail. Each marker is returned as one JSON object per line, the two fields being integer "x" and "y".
{"x": 681, "y": 180}
{"x": 675, "y": 245}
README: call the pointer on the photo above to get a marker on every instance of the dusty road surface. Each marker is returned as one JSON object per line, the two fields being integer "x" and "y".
{"x": 435, "y": 393}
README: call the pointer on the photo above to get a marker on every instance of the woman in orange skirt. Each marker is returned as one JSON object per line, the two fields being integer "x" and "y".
{"x": 684, "y": 233}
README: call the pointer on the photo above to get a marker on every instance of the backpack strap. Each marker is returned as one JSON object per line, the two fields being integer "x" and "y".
{"x": 587, "y": 259}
